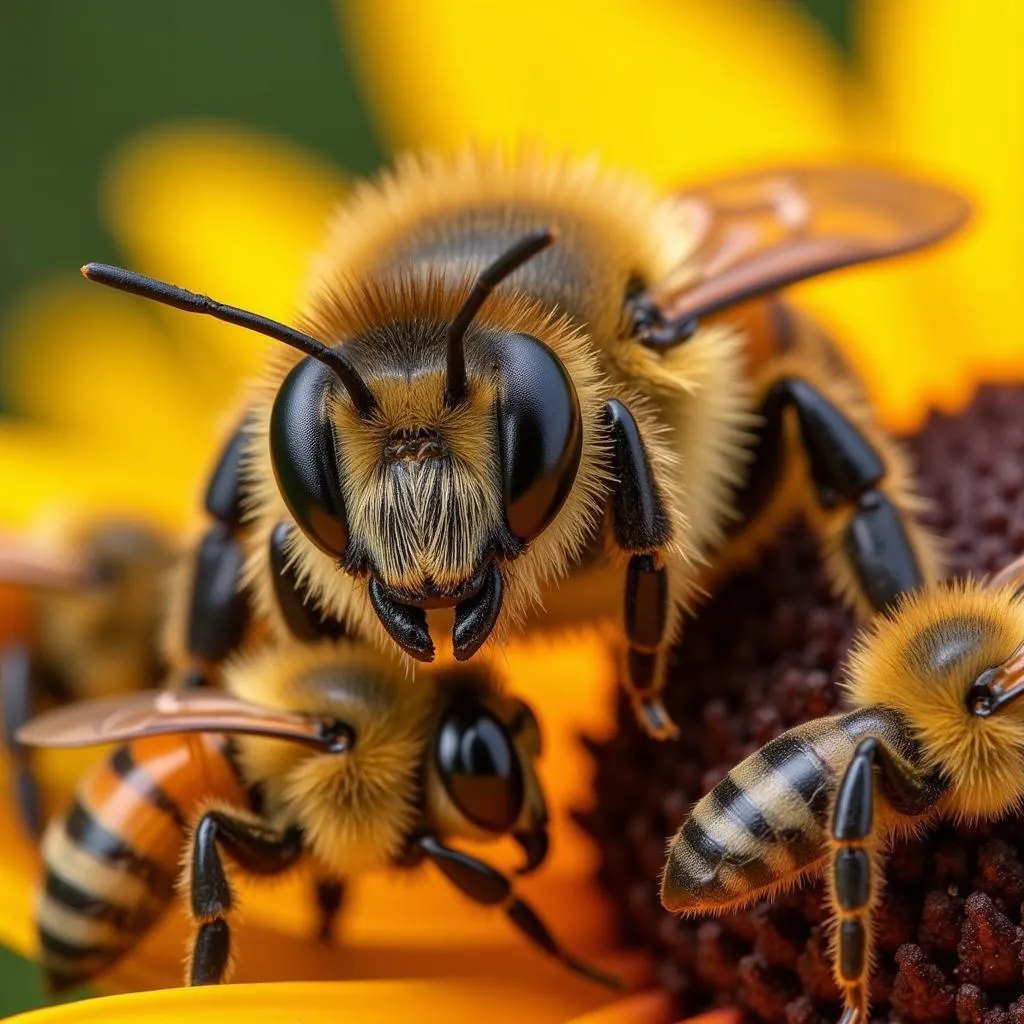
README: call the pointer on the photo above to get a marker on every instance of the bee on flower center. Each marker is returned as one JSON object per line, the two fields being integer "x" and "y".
{"x": 533, "y": 391}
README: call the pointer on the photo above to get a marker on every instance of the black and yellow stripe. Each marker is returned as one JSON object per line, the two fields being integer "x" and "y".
{"x": 113, "y": 858}
{"x": 766, "y": 823}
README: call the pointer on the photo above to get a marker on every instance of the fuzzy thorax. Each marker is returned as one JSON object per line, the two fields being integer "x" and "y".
{"x": 356, "y": 808}
{"x": 922, "y": 660}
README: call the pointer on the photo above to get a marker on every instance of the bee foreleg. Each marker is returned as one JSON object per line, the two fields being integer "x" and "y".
{"x": 218, "y": 607}
{"x": 485, "y": 885}
{"x": 854, "y": 875}
{"x": 641, "y": 526}
{"x": 255, "y": 847}
{"x": 17, "y": 692}
{"x": 849, "y": 474}
{"x": 330, "y": 896}
{"x": 304, "y": 622}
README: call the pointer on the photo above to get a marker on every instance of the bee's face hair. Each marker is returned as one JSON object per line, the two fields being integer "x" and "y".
{"x": 925, "y": 660}
{"x": 471, "y": 448}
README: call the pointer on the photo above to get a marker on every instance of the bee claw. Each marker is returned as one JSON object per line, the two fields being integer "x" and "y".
{"x": 654, "y": 719}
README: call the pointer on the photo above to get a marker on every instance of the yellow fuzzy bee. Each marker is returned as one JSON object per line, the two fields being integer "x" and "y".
{"x": 318, "y": 752}
{"x": 92, "y": 595}
{"x": 935, "y": 730}
{"x": 520, "y": 380}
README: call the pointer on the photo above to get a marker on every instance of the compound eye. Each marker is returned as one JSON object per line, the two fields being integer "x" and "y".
{"x": 304, "y": 456}
{"x": 540, "y": 434}
{"x": 479, "y": 767}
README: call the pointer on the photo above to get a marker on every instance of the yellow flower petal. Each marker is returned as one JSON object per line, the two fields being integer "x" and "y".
{"x": 947, "y": 95}
{"x": 495, "y": 999}
{"x": 673, "y": 88}
{"x": 55, "y": 469}
{"x": 234, "y": 215}
{"x": 96, "y": 364}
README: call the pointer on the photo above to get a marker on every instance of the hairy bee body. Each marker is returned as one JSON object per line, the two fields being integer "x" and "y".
{"x": 936, "y": 731}
{"x": 93, "y": 591}
{"x": 412, "y": 767}
{"x": 766, "y": 823}
{"x": 518, "y": 376}
{"x": 111, "y": 860}
{"x": 409, "y": 250}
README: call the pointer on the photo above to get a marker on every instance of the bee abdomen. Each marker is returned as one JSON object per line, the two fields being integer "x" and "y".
{"x": 112, "y": 860}
{"x": 761, "y": 826}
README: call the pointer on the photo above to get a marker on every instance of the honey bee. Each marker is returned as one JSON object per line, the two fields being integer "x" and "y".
{"x": 518, "y": 376}
{"x": 934, "y": 731}
{"x": 93, "y": 590}
{"x": 320, "y": 751}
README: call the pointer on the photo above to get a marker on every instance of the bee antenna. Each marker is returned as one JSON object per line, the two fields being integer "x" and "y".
{"x": 490, "y": 277}
{"x": 191, "y": 302}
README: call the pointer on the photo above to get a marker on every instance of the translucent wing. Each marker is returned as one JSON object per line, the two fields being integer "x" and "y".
{"x": 1011, "y": 575}
{"x": 154, "y": 712}
{"x": 762, "y": 231}
{"x": 28, "y": 565}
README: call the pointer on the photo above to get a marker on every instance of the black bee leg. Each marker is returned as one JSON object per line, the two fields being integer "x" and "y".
{"x": 641, "y": 527}
{"x": 854, "y": 873}
{"x": 304, "y": 621}
{"x": 484, "y": 885}
{"x": 330, "y": 897}
{"x": 17, "y": 692}
{"x": 218, "y": 607}
{"x": 256, "y": 848}
{"x": 860, "y": 508}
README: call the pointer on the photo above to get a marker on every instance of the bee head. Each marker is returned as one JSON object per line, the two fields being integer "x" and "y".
{"x": 422, "y": 453}
{"x": 482, "y": 781}
{"x": 458, "y": 450}
{"x": 949, "y": 659}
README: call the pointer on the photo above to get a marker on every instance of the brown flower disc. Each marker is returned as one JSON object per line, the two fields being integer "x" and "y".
{"x": 762, "y": 656}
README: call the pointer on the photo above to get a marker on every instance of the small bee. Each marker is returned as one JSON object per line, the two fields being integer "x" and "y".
{"x": 319, "y": 750}
{"x": 620, "y": 398}
{"x": 94, "y": 594}
{"x": 935, "y": 731}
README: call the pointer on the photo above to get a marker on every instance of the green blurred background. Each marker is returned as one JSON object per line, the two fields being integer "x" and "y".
{"x": 77, "y": 80}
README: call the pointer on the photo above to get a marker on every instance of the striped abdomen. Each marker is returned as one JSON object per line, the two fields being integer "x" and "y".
{"x": 766, "y": 822}
{"x": 112, "y": 860}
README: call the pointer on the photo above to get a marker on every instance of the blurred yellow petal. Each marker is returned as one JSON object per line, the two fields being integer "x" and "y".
{"x": 673, "y": 88}
{"x": 455, "y": 1000}
{"x": 57, "y": 469}
{"x": 947, "y": 96}
{"x": 235, "y": 215}
{"x": 96, "y": 364}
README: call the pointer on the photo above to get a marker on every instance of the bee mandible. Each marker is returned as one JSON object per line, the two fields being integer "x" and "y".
{"x": 519, "y": 376}
{"x": 316, "y": 751}
{"x": 935, "y": 730}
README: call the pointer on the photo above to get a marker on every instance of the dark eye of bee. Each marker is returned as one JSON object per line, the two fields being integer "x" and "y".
{"x": 479, "y": 766}
{"x": 540, "y": 433}
{"x": 304, "y": 456}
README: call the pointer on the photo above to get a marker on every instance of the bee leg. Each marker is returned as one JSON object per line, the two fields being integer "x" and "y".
{"x": 17, "y": 691}
{"x": 304, "y": 622}
{"x": 856, "y": 509}
{"x": 218, "y": 607}
{"x": 255, "y": 847}
{"x": 641, "y": 527}
{"x": 489, "y": 887}
{"x": 330, "y": 897}
{"x": 855, "y": 875}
